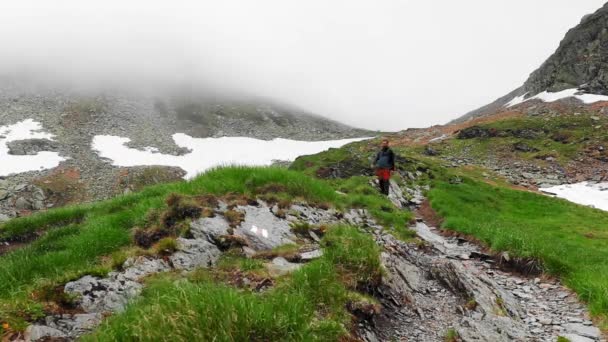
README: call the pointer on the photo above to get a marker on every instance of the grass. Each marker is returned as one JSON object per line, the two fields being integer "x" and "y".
{"x": 569, "y": 239}
{"x": 75, "y": 240}
{"x": 355, "y": 253}
{"x": 451, "y": 335}
{"x": 562, "y": 137}
{"x": 309, "y": 305}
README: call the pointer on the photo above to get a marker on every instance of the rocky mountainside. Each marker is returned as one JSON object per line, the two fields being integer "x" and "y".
{"x": 75, "y": 118}
{"x": 580, "y": 61}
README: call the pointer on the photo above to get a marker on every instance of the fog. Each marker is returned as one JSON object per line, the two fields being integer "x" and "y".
{"x": 377, "y": 64}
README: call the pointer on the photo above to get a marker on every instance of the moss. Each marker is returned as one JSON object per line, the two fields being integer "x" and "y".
{"x": 165, "y": 246}
{"x": 234, "y": 217}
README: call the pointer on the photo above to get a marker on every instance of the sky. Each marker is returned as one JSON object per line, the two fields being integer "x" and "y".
{"x": 375, "y": 64}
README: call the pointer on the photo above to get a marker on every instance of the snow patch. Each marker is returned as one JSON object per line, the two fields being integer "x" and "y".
{"x": 210, "y": 152}
{"x": 546, "y": 96}
{"x": 439, "y": 138}
{"x": 26, "y": 129}
{"x": 516, "y": 100}
{"x": 586, "y": 193}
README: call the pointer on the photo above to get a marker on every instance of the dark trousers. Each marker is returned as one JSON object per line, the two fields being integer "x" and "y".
{"x": 385, "y": 185}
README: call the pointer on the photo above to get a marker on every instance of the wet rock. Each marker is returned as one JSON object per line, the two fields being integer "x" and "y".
{"x": 194, "y": 253}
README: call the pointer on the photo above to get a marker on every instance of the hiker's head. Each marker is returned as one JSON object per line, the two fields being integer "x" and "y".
{"x": 384, "y": 143}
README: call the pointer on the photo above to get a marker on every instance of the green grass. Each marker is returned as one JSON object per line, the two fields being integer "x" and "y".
{"x": 354, "y": 252}
{"x": 580, "y": 130}
{"x": 75, "y": 239}
{"x": 309, "y": 305}
{"x": 568, "y": 238}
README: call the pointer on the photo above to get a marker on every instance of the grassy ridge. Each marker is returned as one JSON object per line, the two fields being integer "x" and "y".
{"x": 570, "y": 239}
{"x": 561, "y": 137}
{"x": 96, "y": 230}
{"x": 309, "y": 305}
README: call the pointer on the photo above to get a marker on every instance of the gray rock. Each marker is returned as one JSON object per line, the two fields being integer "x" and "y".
{"x": 4, "y": 194}
{"x": 280, "y": 266}
{"x": 263, "y": 230}
{"x": 111, "y": 294}
{"x": 31, "y": 146}
{"x": 4, "y": 218}
{"x": 41, "y": 332}
{"x": 583, "y": 330}
{"x": 38, "y": 205}
{"x": 19, "y": 187}
{"x": 22, "y": 204}
{"x": 209, "y": 228}
{"x": 74, "y": 325}
{"x": 194, "y": 253}
{"x": 306, "y": 256}
{"x": 577, "y": 338}
{"x": 396, "y": 195}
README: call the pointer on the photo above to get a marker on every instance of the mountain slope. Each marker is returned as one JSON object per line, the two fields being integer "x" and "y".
{"x": 75, "y": 118}
{"x": 580, "y": 61}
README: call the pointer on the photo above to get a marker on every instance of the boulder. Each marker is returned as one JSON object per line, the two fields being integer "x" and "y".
{"x": 280, "y": 266}
{"x": 194, "y": 253}
{"x": 43, "y": 333}
{"x": 263, "y": 230}
{"x": 209, "y": 228}
{"x": 523, "y": 147}
{"x": 22, "y": 204}
{"x": 474, "y": 132}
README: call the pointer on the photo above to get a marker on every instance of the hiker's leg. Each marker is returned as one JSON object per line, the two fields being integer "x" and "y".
{"x": 387, "y": 186}
{"x": 383, "y": 186}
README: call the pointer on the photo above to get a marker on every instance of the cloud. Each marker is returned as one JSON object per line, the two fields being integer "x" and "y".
{"x": 387, "y": 64}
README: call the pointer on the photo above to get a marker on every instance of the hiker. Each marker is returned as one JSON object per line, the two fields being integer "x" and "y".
{"x": 384, "y": 164}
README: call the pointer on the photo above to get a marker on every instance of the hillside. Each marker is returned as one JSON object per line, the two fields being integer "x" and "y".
{"x": 312, "y": 253}
{"x": 42, "y": 120}
{"x": 579, "y": 63}
{"x": 130, "y": 217}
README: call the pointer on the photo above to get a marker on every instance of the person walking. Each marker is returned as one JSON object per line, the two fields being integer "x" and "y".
{"x": 384, "y": 164}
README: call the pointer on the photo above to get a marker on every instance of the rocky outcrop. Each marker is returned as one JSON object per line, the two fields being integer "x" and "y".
{"x": 445, "y": 284}
{"x": 31, "y": 146}
{"x": 453, "y": 286}
{"x": 97, "y": 297}
{"x": 579, "y": 62}
{"x": 580, "y": 59}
